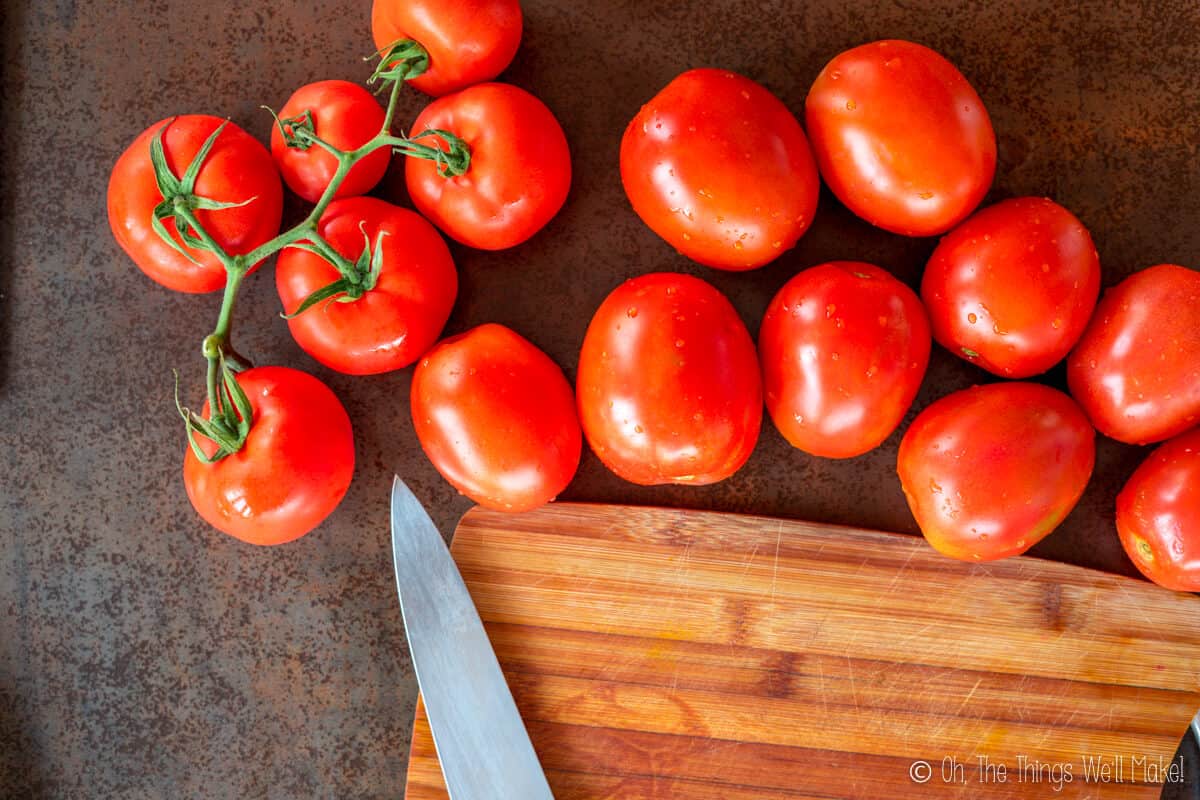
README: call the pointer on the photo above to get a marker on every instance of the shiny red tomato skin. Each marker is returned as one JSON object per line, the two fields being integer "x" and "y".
{"x": 1013, "y": 287}
{"x": 1158, "y": 514}
{"x": 901, "y": 137}
{"x": 520, "y": 168}
{"x": 718, "y": 167}
{"x": 347, "y": 116}
{"x": 668, "y": 383}
{"x": 468, "y": 41}
{"x": 1136, "y": 369}
{"x": 991, "y": 470}
{"x": 389, "y": 326}
{"x": 238, "y": 169}
{"x": 496, "y": 416}
{"x": 843, "y": 348}
{"x": 293, "y": 470}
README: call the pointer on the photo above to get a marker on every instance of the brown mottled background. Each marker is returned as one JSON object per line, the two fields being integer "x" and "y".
{"x": 143, "y": 655}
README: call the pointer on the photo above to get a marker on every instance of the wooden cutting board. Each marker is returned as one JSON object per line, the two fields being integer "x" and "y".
{"x": 660, "y": 653}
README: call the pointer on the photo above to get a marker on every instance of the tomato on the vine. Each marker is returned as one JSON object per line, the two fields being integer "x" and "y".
{"x": 346, "y": 116}
{"x": 1158, "y": 514}
{"x": 1136, "y": 369}
{"x": 519, "y": 170}
{"x": 393, "y": 322}
{"x": 496, "y": 416}
{"x": 1013, "y": 287}
{"x": 901, "y": 137}
{"x": 990, "y": 471}
{"x": 293, "y": 469}
{"x": 238, "y": 170}
{"x": 668, "y": 384}
{"x": 468, "y": 41}
{"x": 843, "y": 348}
{"x": 718, "y": 167}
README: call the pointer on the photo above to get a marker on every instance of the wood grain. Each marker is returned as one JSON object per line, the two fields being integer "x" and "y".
{"x": 660, "y": 653}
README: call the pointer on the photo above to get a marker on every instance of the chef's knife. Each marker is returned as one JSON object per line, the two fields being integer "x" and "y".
{"x": 481, "y": 742}
{"x": 1187, "y": 785}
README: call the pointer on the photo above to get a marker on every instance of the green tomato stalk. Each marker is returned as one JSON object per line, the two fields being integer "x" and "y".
{"x": 229, "y": 420}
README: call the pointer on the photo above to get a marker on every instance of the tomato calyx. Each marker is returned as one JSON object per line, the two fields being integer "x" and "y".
{"x": 451, "y": 162}
{"x": 230, "y": 413}
{"x": 180, "y": 198}
{"x": 357, "y": 278}
{"x": 402, "y": 60}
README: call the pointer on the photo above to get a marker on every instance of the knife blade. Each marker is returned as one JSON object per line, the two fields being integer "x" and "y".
{"x": 1187, "y": 785}
{"x": 481, "y": 741}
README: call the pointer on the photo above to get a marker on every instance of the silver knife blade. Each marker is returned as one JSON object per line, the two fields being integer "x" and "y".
{"x": 481, "y": 742}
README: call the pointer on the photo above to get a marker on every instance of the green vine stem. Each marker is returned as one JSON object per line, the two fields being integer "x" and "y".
{"x": 229, "y": 419}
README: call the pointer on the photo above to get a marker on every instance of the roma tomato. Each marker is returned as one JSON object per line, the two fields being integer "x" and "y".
{"x": 1158, "y": 514}
{"x": 519, "y": 173}
{"x": 391, "y": 324}
{"x": 1012, "y": 288}
{"x": 497, "y": 418}
{"x": 990, "y": 471}
{"x": 668, "y": 384}
{"x": 718, "y": 167}
{"x": 346, "y": 116}
{"x": 237, "y": 170}
{"x": 468, "y": 41}
{"x": 843, "y": 348}
{"x": 1136, "y": 370}
{"x": 901, "y": 137}
{"x": 292, "y": 471}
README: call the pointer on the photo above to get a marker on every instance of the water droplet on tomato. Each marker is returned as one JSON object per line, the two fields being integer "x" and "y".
{"x": 632, "y": 312}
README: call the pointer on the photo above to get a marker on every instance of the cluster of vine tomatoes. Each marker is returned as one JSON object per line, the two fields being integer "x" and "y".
{"x": 670, "y": 385}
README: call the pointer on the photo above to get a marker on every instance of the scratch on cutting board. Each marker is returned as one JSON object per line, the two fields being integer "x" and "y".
{"x": 900, "y": 572}
{"x": 778, "y": 543}
{"x": 853, "y": 686}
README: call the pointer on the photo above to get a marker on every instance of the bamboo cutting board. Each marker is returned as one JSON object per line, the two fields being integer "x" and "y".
{"x": 660, "y": 653}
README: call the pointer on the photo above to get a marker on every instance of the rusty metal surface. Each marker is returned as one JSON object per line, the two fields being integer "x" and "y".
{"x": 143, "y": 654}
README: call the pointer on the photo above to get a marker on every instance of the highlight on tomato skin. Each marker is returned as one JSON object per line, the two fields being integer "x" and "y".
{"x": 293, "y": 470}
{"x": 901, "y": 137}
{"x": 668, "y": 384}
{"x": 720, "y": 168}
{"x": 496, "y": 417}
{"x": 468, "y": 41}
{"x": 1158, "y": 514}
{"x": 237, "y": 170}
{"x": 346, "y": 116}
{"x": 843, "y": 347}
{"x": 1136, "y": 369}
{"x": 1012, "y": 288}
{"x": 990, "y": 471}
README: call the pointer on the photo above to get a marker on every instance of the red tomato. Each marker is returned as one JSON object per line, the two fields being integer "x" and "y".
{"x": 520, "y": 167}
{"x": 990, "y": 471}
{"x": 1013, "y": 287}
{"x": 237, "y": 170}
{"x": 346, "y": 116}
{"x": 843, "y": 348}
{"x": 718, "y": 166}
{"x": 668, "y": 385}
{"x": 497, "y": 418}
{"x": 1158, "y": 514}
{"x": 390, "y": 325}
{"x": 468, "y": 41}
{"x": 292, "y": 471}
{"x": 901, "y": 137}
{"x": 1136, "y": 371}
